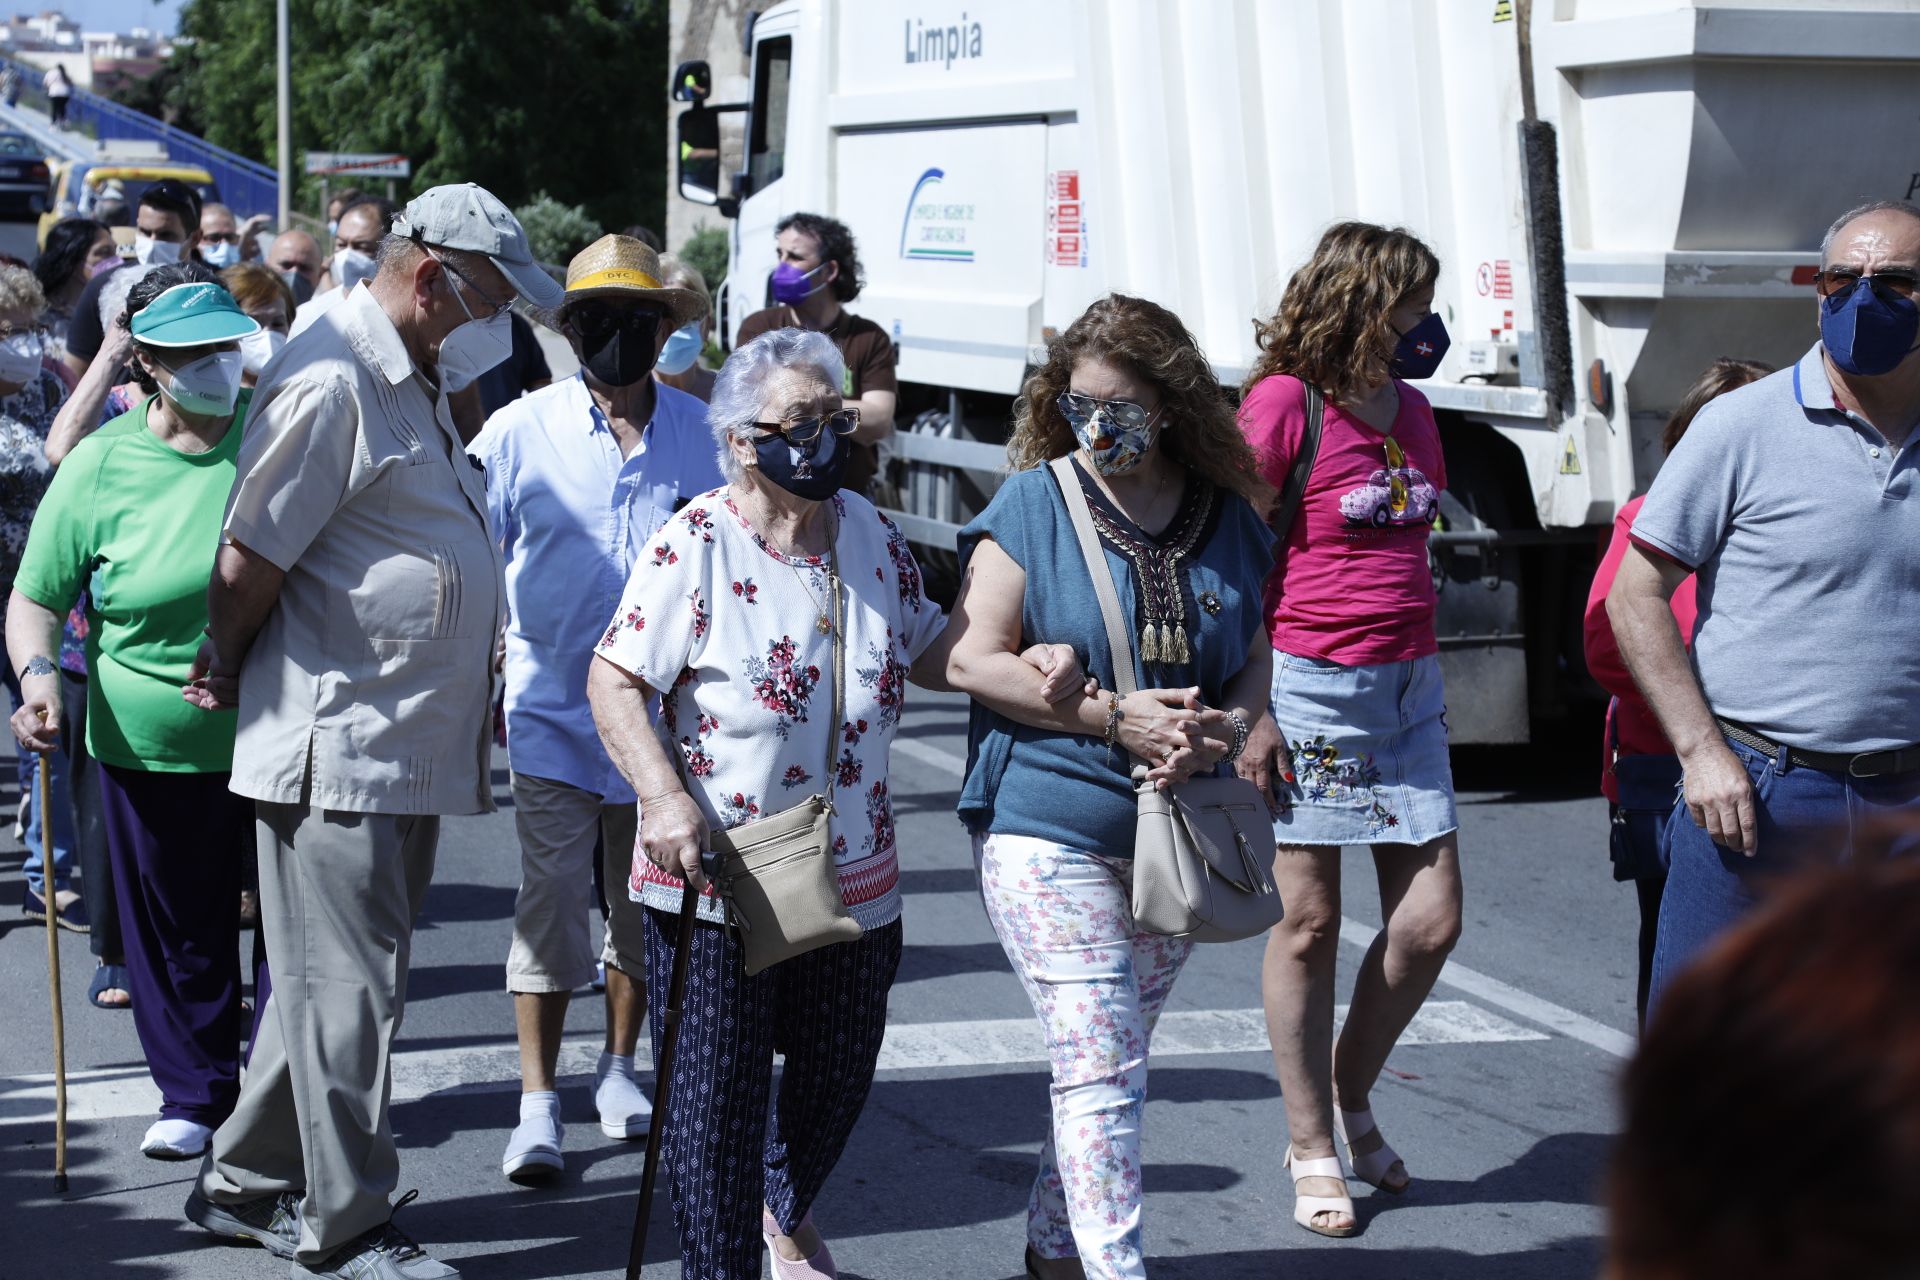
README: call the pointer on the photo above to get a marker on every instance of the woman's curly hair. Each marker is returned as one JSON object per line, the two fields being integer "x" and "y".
{"x": 1147, "y": 340}
{"x": 1334, "y": 330}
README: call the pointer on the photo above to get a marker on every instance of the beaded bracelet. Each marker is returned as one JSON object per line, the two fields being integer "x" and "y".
{"x": 1239, "y": 736}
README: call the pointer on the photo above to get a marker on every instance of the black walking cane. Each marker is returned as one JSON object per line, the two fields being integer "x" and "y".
{"x": 45, "y": 801}
{"x": 662, "y": 1079}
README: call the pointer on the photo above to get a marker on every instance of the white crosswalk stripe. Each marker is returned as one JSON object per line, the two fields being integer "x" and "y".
{"x": 914, "y": 1046}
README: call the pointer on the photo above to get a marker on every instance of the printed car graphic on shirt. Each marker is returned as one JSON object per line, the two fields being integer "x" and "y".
{"x": 1397, "y": 494}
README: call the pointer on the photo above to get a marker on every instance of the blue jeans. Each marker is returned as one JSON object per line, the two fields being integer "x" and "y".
{"x": 1806, "y": 817}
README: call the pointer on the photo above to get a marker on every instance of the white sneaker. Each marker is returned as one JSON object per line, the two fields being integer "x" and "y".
{"x": 533, "y": 1151}
{"x": 623, "y": 1106}
{"x": 176, "y": 1140}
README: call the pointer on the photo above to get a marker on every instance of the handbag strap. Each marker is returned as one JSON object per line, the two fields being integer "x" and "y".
{"x": 1119, "y": 636}
{"x": 1295, "y": 490}
{"x": 839, "y": 658}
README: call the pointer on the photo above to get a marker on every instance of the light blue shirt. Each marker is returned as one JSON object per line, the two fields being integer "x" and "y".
{"x": 1801, "y": 519}
{"x": 571, "y": 514}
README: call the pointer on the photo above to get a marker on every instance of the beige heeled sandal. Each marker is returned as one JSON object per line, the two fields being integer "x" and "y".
{"x": 1306, "y": 1207}
{"x": 1373, "y": 1167}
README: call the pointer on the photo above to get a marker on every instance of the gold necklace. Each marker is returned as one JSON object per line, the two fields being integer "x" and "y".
{"x": 824, "y": 622}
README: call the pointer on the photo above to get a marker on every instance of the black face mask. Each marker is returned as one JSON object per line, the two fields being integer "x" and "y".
{"x": 618, "y": 348}
{"x": 813, "y": 472}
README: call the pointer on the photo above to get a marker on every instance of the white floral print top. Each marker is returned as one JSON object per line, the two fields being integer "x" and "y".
{"x": 726, "y": 630}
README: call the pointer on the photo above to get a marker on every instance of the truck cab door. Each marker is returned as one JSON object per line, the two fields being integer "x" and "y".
{"x": 761, "y": 184}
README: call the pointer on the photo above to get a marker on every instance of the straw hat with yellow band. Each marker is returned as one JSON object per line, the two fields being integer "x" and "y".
{"x": 617, "y": 268}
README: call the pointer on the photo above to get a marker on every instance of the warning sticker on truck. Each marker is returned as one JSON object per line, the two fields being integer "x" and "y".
{"x": 1066, "y": 224}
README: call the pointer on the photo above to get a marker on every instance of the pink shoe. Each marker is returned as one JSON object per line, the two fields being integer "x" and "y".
{"x": 818, "y": 1267}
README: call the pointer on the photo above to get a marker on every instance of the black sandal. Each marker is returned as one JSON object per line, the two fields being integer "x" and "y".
{"x": 109, "y": 977}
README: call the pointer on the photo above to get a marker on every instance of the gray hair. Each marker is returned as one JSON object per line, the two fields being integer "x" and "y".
{"x": 1907, "y": 207}
{"x": 677, "y": 273}
{"x": 739, "y": 389}
{"x": 20, "y": 291}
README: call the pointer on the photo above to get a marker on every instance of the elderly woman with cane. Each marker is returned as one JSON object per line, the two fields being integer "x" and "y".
{"x": 133, "y": 518}
{"x": 777, "y": 620}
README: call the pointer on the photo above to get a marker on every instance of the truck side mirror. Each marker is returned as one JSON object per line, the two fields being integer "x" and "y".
{"x": 699, "y": 156}
{"x": 692, "y": 82}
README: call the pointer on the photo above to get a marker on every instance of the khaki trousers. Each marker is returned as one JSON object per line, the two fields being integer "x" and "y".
{"x": 338, "y": 895}
{"x": 553, "y": 945}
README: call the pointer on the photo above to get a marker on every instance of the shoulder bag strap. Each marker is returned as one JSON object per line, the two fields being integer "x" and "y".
{"x": 1295, "y": 490}
{"x": 1118, "y": 634}
{"x": 839, "y": 662}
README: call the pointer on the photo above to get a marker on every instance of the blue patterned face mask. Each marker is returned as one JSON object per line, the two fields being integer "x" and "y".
{"x": 1115, "y": 433}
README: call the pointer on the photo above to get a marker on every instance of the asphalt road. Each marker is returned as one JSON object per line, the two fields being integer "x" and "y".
{"x": 1502, "y": 1099}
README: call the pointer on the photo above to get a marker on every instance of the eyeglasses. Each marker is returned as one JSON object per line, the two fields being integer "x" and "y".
{"x": 1079, "y": 410}
{"x": 494, "y": 307}
{"x": 1890, "y": 286}
{"x": 220, "y": 237}
{"x": 40, "y": 331}
{"x": 804, "y": 431}
{"x": 598, "y": 322}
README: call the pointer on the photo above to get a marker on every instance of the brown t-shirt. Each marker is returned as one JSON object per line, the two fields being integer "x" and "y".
{"x": 868, "y": 352}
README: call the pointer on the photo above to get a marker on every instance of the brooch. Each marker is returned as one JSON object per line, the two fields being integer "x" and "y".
{"x": 1210, "y": 602}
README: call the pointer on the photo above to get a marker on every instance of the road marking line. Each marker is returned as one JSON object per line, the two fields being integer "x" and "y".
{"x": 119, "y": 1092}
{"x": 1501, "y": 995}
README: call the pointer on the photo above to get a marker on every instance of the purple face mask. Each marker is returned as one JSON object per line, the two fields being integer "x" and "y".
{"x": 791, "y": 284}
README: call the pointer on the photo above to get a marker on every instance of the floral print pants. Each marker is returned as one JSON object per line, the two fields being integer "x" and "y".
{"x": 1064, "y": 917}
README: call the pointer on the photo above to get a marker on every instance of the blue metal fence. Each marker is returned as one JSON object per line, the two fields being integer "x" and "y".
{"x": 247, "y": 186}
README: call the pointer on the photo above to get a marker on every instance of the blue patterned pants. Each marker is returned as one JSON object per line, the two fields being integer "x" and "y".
{"x": 826, "y": 1013}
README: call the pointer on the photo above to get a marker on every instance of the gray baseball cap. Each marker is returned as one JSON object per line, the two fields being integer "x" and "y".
{"x": 463, "y": 215}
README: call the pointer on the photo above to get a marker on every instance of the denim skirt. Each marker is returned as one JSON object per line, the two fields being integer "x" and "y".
{"x": 1369, "y": 750}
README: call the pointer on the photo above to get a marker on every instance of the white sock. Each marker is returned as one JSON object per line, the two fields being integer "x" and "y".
{"x": 616, "y": 1064}
{"x": 540, "y": 1105}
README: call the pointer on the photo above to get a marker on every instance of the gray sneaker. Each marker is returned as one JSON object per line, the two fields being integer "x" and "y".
{"x": 384, "y": 1253}
{"x": 272, "y": 1222}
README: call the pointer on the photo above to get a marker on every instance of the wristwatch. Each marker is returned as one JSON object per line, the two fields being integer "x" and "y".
{"x": 38, "y": 665}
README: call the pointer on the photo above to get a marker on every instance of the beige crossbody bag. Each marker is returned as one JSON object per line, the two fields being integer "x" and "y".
{"x": 775, "y": 875}
{"x": 1202, "y": 849}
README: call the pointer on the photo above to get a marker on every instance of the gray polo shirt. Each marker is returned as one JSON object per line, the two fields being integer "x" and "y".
{"x": 1804, "y": 525}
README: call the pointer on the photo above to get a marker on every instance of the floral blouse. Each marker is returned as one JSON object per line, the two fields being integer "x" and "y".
{"x": 26, "y": 417}
{"x": 729, "y": 632}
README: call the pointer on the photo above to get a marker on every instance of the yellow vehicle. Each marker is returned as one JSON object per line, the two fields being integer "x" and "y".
{"x": 80, "y": 185}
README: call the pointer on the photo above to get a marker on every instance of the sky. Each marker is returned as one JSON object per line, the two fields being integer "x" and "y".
{"x": 111, "y": 15}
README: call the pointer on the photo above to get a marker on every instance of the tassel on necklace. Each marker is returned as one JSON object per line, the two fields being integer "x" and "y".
{"x": 1149, "y": 643}
{"x": 1181, "y": 654}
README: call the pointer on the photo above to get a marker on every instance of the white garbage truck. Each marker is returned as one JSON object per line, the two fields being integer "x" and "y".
{"x": 1619, "y": 191}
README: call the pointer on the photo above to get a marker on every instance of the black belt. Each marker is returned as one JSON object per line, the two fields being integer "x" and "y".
{"x": 1866, "y": 764}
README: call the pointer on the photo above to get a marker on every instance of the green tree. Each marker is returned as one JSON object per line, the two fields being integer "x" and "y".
{"x": 706, "y": 252}
{"x": 557, "y": 231}
{"x": 557, "y": 96}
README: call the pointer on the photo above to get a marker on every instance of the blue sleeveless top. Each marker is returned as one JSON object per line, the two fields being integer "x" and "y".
{"x": 1068, "y": 788}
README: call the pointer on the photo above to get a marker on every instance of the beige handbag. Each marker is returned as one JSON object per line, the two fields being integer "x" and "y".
{"x": 1201, "y": 850}
{"x": 775, "y": 875}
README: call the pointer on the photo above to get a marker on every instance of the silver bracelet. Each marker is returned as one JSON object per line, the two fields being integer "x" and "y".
{"x": 1239, "y": 736}
{"x": 38, "y": 665}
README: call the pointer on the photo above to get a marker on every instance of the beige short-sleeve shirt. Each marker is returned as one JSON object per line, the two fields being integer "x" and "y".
{"x": 370, "y": 688}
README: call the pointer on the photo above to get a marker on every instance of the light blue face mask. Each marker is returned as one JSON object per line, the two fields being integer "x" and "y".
{"x": 682, "y": 349}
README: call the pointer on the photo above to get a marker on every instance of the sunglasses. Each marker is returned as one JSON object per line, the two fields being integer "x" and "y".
{"x": 494, "y": 305}
{"x": 804, "y": 431}
{"x": 1079, "y": 410}
{"x": 1890, "y": 286}
{"x": 598, "y": 322}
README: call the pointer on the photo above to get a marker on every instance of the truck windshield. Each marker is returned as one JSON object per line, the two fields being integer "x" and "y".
{"x": 767, "y": 152}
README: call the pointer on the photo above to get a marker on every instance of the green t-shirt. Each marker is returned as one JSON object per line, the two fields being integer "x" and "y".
{"x": 136, "y": 523}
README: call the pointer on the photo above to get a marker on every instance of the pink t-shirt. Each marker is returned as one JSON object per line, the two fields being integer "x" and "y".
{"x": 1352, "y": 584}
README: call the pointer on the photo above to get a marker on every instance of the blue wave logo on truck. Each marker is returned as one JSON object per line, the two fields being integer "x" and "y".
{"x": 934, "y": 231}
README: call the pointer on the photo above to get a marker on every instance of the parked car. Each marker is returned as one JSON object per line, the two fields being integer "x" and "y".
{"x": 23, "y": 176}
